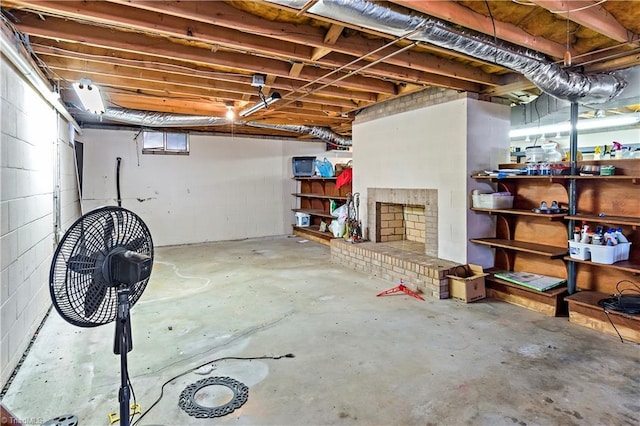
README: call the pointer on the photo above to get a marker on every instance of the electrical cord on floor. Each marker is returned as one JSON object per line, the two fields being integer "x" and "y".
{"x": 202, "y": 365}
{"x": 133, "y": 393}
{"x": 628, "y": 304}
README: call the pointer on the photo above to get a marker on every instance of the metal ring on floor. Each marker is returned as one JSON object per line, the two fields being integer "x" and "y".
{"x": 192, "y": 408}
{"x": 65, "y": 420}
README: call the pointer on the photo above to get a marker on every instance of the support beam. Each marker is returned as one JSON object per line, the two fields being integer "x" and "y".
{"x": 330, "y": 38}
{"x": 590, "y": 15}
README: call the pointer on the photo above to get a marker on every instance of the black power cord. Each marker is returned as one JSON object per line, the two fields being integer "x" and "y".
{"x": 628, "y": 304}
{"x": 202, "y": 365}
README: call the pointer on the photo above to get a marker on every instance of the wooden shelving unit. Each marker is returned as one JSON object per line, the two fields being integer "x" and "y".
{"x": 610, "y": 201}
{"x": 315, "y": 195}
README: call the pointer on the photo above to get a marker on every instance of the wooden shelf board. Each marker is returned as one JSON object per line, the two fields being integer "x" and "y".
{"x": 560, "y": 178}
{"x": 314, "y": 212}
{"x": 624, "y": 265}
{"x": 521, "y": 212}
{"x": 618, "y": 220}
{"x": 320, "y": 196}
{"x": 550, "y": 178}
{"x": 548, "y": 302}
{"x": 552, "y": 252}
{"x": 312, "y": 233}
{"x": 632, "y": 179}
{"x": 314, "y": 178}
{"x": 585, "y": 311}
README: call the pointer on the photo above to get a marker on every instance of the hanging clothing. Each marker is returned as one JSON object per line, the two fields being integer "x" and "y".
{"x": 344, "y": 178}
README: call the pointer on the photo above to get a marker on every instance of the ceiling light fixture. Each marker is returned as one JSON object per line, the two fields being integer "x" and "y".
{"x": 263, "y": 103}
{"x": 231, "y": 113}
{"x": 89, "y": 95}
{"x": 584, "y": 124}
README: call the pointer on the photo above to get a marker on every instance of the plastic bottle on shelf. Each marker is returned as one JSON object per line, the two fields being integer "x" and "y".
{"x": 610, "y": 237}
{"x": 620, "y": 236}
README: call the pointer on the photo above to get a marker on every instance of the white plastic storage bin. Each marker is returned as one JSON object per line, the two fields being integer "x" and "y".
{"x": 496, "y": 200}
{"x": 579, "y": 251}
{"x": 303, "y": 219}
{"x": 609, "y": 254}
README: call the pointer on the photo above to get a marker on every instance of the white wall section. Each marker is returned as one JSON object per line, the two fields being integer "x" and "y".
{"x": 227, "y": 188}
{"x": 428, "y": 148}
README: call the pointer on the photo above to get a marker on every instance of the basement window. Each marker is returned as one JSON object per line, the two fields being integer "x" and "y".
{"x": 165, "y": 143}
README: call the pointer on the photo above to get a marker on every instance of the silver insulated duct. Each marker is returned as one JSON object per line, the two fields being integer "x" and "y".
{"x": 549, "y": 77}
{"x": 159, "y": 119}
{"x": 323, "y": 133}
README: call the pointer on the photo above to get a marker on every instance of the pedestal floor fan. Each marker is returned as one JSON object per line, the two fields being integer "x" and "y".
{"x": 99, "y": 271}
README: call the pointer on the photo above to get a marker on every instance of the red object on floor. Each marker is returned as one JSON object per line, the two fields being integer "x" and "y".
{"x": 400, "y": 288}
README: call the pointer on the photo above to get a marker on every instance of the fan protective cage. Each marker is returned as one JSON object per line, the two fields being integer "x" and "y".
{"x": 78, "y": 288}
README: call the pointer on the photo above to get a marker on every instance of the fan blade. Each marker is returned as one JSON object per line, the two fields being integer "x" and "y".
{"x": 82, "y": 264}
{"x": 108, "y": 232}
{"x": 95, "y": 295}
{"x": 135, "y": 244}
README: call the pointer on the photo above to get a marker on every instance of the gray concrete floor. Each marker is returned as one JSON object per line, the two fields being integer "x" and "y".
{"x": 359, "y": 359}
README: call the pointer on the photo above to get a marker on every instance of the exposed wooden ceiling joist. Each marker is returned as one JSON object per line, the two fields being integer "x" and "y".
{"x": 195, "y": 57}
{"x": 591, "y": 15}
{"x": 453, "y": 12}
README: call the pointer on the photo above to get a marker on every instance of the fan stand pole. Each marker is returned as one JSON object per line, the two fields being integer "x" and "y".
{"x": 122, "y": 345}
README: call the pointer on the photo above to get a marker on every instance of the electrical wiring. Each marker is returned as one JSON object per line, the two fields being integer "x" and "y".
{"x": 589, "y": 6}
{"x": 495, "y": 34}
{"x": 628, "y": 304}
{"x": 202, "y": 365}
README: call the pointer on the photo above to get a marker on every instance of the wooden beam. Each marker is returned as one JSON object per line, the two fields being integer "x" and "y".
{"x": 296, "y": 69}
{"x": 306, "y": 7}
{"x": 132, "y": 79}
{"x": 458, "y": 14}
{"x": 98, "y": 55}
{"x": 330, "y": 38}
{"x": 57, "y": 29}
{"x": 188, "y": 29}
{"x": 591, "y": 15}
{"x": 224, "y": 15}
{"x": 332, "y": 35}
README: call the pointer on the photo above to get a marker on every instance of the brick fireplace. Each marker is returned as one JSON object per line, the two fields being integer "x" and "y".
{"x": 403, "y": 229}
{"x": 396, "y": 214}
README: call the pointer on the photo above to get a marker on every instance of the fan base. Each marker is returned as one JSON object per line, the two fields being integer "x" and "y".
{"x": 64, "y": 420}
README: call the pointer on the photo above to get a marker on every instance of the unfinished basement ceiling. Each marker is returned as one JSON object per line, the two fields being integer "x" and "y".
{"x": 199, "y": 57}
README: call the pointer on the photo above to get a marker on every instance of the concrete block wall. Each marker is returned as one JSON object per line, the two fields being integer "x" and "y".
{"x": 29, "y": 134}
{"x": 417, "y": 100}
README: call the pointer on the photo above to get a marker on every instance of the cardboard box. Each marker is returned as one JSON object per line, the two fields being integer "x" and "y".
{"x": 470, "y": 288}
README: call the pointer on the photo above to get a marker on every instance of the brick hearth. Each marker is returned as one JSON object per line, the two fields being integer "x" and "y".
{"x": 422, "y": 273}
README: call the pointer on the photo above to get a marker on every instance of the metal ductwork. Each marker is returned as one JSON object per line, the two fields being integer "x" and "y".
{"x": 323, "y": 133}
{"x": 549, "y": 77}
{"x": 159, "y": 119}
